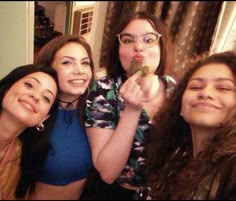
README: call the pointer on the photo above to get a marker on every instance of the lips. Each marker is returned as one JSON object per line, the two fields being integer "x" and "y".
{"x": 28, "y": 105}
{"x": 205, "y": 105}
{"x": 139, "y": 58}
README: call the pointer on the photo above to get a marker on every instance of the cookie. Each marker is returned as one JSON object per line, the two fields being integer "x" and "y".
{"x": 136, "y": 66}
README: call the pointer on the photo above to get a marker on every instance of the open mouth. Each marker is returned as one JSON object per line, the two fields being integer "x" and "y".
{"x": 78, "y": 81}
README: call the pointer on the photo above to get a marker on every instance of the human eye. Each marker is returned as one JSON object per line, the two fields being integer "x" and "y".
{"x": 66, "y": 62}
{"x": 28, "y": 85}
{"x": 194, "y": 86}
{"x": 225, "y": 88}
{"x": 47, "y": 98}
{"x": 86, "y": 63}
{"x": 127, "y": 39}
{"x": 149, "y": 38}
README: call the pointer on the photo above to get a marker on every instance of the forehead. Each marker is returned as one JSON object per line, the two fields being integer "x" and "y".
{"x": 43, "y": 79}
{"x": 72, "y": 49}
{"x": 134, "y": 26}
{"x": 38, "y": 75}
{"x": 214, "y": 70}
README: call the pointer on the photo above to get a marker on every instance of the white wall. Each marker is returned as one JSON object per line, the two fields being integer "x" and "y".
{"x": 50, "y": 8}
{"x": 16, "y": 39}
{"x": 225, "y": 33}
{"x": 95, "y": 37}
{"x": 97, "y": 33}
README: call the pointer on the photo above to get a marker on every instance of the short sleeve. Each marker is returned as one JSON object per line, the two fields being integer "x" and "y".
{"x": 100, "y": 111}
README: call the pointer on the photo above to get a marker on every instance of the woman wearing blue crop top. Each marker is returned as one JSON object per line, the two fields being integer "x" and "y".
{"x": 69, "y": 160}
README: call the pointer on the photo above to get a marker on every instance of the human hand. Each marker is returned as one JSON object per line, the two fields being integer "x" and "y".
{"x": 131, "y": 92}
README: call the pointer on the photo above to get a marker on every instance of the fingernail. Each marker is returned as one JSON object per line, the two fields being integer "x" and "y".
{"x": 139, "y": 72}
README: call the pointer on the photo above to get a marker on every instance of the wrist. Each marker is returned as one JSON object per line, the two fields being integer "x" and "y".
{"x": 130, "y": 111}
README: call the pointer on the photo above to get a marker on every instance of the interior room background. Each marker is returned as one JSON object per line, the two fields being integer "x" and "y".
{"x": 195, "y": 27}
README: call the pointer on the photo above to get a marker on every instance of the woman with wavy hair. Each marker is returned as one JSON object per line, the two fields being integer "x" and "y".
{"x": 192, "y": 149}
{"x": 69, "y": 160}
{"x": 28, "y": 97}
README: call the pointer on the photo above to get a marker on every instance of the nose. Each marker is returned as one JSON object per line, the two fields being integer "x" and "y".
{"x": 138, "y": 45}
{"x": 35, "y": 96}
{"x": 78, "y": 69}
{"x": 207, "y": 92}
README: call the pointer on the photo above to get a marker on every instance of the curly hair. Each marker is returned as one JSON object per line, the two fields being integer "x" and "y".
{"x": 169, "y": 148}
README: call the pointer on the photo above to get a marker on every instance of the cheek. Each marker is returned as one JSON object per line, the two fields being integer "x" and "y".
{"x": 231, "y": 105}
{"x": 5, "y": 102}
{"x": 184, "y": 104}
{"x": 154, "y": 56}
{"x": 125, "y": 57}
{"x": 89, "y": 73}
{"x": 62, "y": 76}
{"x": 10, "y": 95}
{"x": 45, "y": 108}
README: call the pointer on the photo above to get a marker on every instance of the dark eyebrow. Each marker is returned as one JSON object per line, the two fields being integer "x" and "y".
{"x": 72, "y": 58}
{"x": 40, "y": 84}
{"x": 225, "y": 79}
{"x": 217, "y": 79}
{"x": 68, "y": 57}
{"x": 85, "y": 58}
{"x": 127, "y": 34}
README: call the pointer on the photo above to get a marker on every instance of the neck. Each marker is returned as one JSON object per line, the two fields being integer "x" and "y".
{"x": 200, "y": 137}
{"x": 69, "y": 103}
{"x": 10, "y": 128}
{"x": 151, "y": 86}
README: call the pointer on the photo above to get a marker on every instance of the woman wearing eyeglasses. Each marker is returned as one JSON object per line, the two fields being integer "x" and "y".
{"x": 121, "y": 106}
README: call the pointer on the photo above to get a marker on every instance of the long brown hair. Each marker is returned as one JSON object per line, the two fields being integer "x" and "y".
{"x": 113, "y": 64}
{"x": 170, "y": 144}
{"x": 46, "y": 56}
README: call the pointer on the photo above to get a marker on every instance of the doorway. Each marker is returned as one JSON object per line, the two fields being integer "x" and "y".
{"x": 49, "y": 22}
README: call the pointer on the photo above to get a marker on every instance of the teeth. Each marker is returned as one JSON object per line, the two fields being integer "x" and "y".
{"x": 78, "y": 81}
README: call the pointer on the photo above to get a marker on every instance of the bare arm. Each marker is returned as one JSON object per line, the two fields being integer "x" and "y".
{"x": 111, "y": 148}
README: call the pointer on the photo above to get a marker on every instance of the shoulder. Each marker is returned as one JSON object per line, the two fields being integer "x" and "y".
{"x": 104, "y": 83}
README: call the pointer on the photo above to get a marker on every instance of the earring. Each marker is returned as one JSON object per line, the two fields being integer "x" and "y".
{"x": 40, "y": 127}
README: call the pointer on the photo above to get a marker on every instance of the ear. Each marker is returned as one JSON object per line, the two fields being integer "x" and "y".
{"x": 45, "y": 118}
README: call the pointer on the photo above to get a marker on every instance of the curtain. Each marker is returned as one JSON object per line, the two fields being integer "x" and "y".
{"x": 191, "y": 24}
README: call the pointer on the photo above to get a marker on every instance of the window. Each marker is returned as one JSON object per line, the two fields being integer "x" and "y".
{"x": 83, "y": 21}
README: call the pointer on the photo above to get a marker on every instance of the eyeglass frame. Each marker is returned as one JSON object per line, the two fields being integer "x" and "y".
{"x": 136, "y": 37}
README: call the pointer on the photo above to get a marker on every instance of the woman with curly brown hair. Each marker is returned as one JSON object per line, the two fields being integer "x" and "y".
{"x": 192, "y": 149}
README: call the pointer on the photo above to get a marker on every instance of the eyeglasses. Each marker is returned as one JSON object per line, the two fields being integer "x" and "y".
{"x": 148, "y": 39}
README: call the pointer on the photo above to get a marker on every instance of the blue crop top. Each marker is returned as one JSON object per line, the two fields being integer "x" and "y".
{"x": 69, "y": 159}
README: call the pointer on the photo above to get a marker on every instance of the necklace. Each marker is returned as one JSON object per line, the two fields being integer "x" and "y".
{"x": 151, "y": 99}
{"x": 69, "y": 105}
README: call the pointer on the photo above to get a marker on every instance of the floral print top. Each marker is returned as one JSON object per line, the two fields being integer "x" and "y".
{"x": 103, "y": 110}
